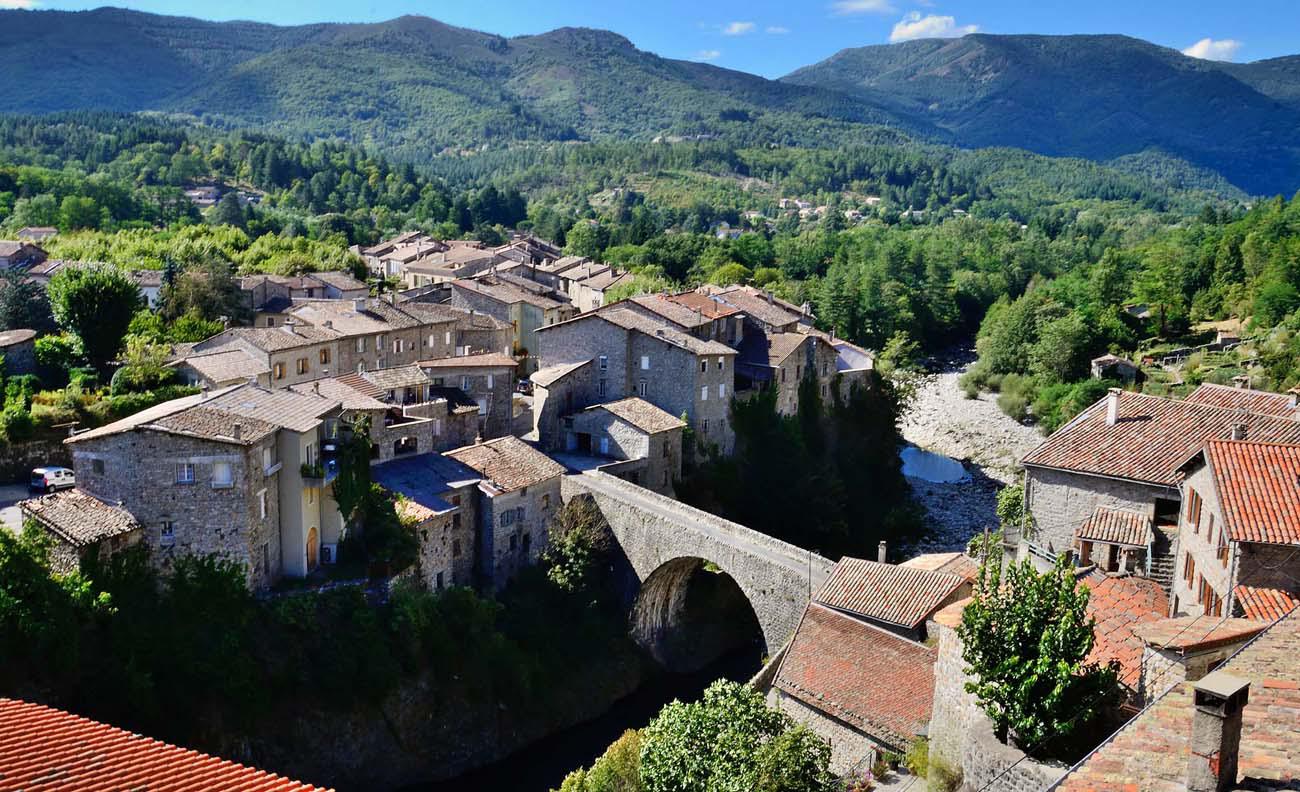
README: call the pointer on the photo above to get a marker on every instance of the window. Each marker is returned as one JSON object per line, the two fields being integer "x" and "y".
{"x": 546, "y": 501}
{"x": 604, "y": 446}
{"x": 1194, "y": 510}
{"x": 440, "y": 581}
{"x": 783, "y": 375}
{"x": 361, "y": 343}
{"x": 704, "y": 393}
{"x": 704, "y": 426}
{"x": 645, "y": 362}
{"x": 464, "y": 383}
{"x": 665, "y": 478}
{"x": 455, "y": 522}
{"x": 1189, "y": 569}
{"x": 266, "y": 558}
{"x": 600, "y": 388}
{"x": 222, "y": 476}
{"x": 604, "y": 363}
{"x": 302, "y": 365}
{"x": 507, "y": 517}
{"x": 261, "y": 504}
{"x": 379, "y": 343}
{"x": 446, "y": 338}
{"x": 704, "y": 366}
{"x": 641, "y": 388}
{"x": 278, "y": 371}
{"x": 722, "y": 390}
{"x": 167, "y": 533}
{"x": 665, "y": 447}
{"x": 528, "y": 543}
{"x": 519, "y": 514}
{"x": 514, "y": 542}
{"x": 185, "y": 473}
{"x": 798, "y": 371}
{"x": 324, "y": 356}
{"x": 1222, "y": 549}
{"x": 97, "y": 466}
{"x": 437, "y": 382}
{"x": 719, "y": 364}
{"x": 268, "y": 459}
{"x": 491, "y": 381}
{"x": 455, "y": 547}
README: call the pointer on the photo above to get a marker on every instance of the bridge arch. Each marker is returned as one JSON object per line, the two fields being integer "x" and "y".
{"x": 665, "y": 542}
{"x": 689, "y": 612}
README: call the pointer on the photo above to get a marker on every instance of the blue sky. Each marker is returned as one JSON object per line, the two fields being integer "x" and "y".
{"x": 772, "y": 38}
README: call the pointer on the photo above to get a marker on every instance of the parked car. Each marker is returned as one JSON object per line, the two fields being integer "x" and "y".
{"x": 525, "y": 387}
{"x": 51, "y": 479}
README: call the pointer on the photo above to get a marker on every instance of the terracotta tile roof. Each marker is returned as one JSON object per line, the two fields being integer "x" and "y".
{"x": 377, "y": 317}
{"x": 1255, "y": 401}
{"x": 1116, "y": 527}
{"x": 343, "y": 390}
{"x": 361, "y": 385}
{"x": 888, "y": 593}
{"x": 1259, "y": 489}
{"x": 1151, "y": 439}
{"x": 1119, "y": 605}
{"x": 508, "y": 462}
{"x": 141, "y": 418}
{"x": 861, "y": 674}
{"x": 629, "y": 319}
{"x": 78, "y": 518}
{"x": 755, "y": 304}
{"x": 663, "y": 306}
{"x": 505, "y": 293}
{"x": 277, "y": 339}
{"x": 483, "y": 360}
{"x": 227, "y": 365}
{"x": 42, "y": 748}
{"x": 953, "y": 563}
{"x": 297, "y": 412}
{"x": 1186, "y": 633}
{"x": 1264, "y": 604}
{"x": 706, "y": 305}
{"x": 1150, "y": 752}
{"x": 208, "y": 423}
{"x": 641, "y": 414}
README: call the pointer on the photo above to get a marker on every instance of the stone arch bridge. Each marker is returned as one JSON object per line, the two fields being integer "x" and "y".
{"x": 664, "y": 542}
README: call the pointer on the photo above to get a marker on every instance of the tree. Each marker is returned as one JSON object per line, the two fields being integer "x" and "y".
{"x": 96, "y": 304}
{"x": 587, "y": 239}
{"x": 731, "y": 741}
{"x": 23, "y": 303}
{"x": 78, "y": 212}
{"x": 229, "y": 212}
{"x": 1026, "y": 638}
{"x": 579, "y": 542}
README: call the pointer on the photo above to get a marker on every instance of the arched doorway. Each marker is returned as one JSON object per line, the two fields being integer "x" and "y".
{"x": 689, "y": 613}
{"x": 313, "y": 548}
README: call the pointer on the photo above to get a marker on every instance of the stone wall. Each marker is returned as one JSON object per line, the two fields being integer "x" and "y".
{"x": 570, "y": 393}
{"x": 1196, "y": 541}
{"x": 652, "y": 531}
{"x": 508, "y": 544}
{"x": 18, "y": 459}
{"x": 20, "y": 358}
{"x": 1059, "y": 502}
{"x": 447, "y": 542}
{"x": 1269, "y": 565}
{"x": 850, "y": 748}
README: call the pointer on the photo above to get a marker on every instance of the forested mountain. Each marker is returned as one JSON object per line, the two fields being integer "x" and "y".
{"x": 416, "y": 88}
{"x": 1099, "y": 97}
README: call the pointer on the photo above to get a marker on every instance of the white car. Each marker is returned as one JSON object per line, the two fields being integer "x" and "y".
{"x": 52, "y": 479}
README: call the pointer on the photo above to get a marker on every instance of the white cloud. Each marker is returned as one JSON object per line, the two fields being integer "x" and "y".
{"x": 737, "y": 28}
{"x": 846, "y": 7}
{"x": 17, "y": 3}
{"x": 915, "y": 26}
{"x": 777, "y": 29}
{"x": 708, "y": 55}
{"x": 1212, "y": 49}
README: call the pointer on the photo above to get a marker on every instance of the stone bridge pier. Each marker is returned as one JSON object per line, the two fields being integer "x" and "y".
{"x": 666, "y": 542}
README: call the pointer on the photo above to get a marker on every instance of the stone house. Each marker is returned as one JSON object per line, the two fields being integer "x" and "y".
{"x": 560, "y": 391}
{"x": 1186, "y": 648}
{"x": 646, "y": 440}
{"x": 636, "y": 355}
{"x": 589, "y": 284}
{"x": 439, "y": 496}
{"x": 698, "y": 314}
{"x": 19, "y": 350}
{"x": 1116, "y": 368}
{"x": 243, "y": 474}
{"x": 20, "y": 255}
{"x": 473, "y": 331}
{"x": 520, "y": 492}
{"x": 376, "y": 255}
{"x": 290, "y": 353}
{"x": 373, "y": 334}
{"x": 1239, "y": 531}
{"x": 553, "y": 273}
{"x": 81, "y": 526}
{"x": 222, "y": 368}
{"x": 1122, "y": 454}
{"x": 526, "y": 311}
{"x": 487, "y": 380}
{"x": 459, "y": 261}
{"x": 762, "y": 310}
{"x": 37, "y": 234}
{"x": 781, "y": 361}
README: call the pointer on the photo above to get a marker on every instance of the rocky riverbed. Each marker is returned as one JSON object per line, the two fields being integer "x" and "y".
{"x": 977, "y": 433}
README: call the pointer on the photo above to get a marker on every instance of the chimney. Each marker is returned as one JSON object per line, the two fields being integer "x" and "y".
{"x": 288, "y": 327}
{"x": 1218, "y": 701}
{"x": 1112, "y": 406}
{"x": 769, "y": 296}
{"x": 329, "y": 324}
{"x": 1239, "y": 430}
{"x": 359, "y": 304}
{"x": 880, "y": 551}
{"x": 237, "y": 431}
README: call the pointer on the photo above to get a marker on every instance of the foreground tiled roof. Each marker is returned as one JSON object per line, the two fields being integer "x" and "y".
{"x": 359, "y": 384}
{"x": 1186, "y": 633}
{"x": 954, "y": 563}
{"x": 1255, "y": 401}
{"x": 1264, "y": 604}
{"x": 209, "y": 423}
{"x": 641, "y": 414}
{"x": 1150, "y": 753}
{"x": 661, "y": 329}
{"x": 483, "y": 360}
{"x": 227, "y": 365}
{"x": 508, "y": 462}
{"x": 42, "y": 748}
{"x": 862, "y": 675}
{"x": 1116, "y": 527}
{"x": 1119, "y": 605}
{"x": 79, "y": 519}
{"x": 1151, "y": 439}
{"x": 889, "y": 593}
{"x": 142, "y": 418}
{"x": 344, "y": 390}
{"x": 297, "y": 412}
{"x": 1259, "y": 489}
{"x": 708, "y": 306}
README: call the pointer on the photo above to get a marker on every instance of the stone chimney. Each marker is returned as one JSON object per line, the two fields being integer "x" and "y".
{"x": 1238, "y": 430}
{"x": 1218, "y": 701}
{"x": 237, "y": 431}
{"x": 329, "y": 324}
{"x": 288, "y": 327}
{"x": 881, "y": 551}
{"x": 359, "y": 304}
{"x": 1112, "y": 406}
{"x": 769, "y": 296}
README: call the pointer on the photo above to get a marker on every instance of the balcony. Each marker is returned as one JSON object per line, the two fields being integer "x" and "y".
{"x": 321, "y": 473}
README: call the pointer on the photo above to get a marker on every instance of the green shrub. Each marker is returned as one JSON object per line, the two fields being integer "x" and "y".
{"x": 84, "y": 376}
{"x": 942, "y": 777}
{"x": 1014, "y": 405}
{"x": 616, "y": 770}
{"x": 16, "y": 424}
{"x": 917, "y": 759}
{"x": 45, "y": 416}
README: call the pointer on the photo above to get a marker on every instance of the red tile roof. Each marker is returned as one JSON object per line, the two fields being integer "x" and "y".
{"x": 1151, "y": 439}
{"x": 1259, "y": 489}
{"x": 1186, "y": 633}
{"x": 1116, "y": 527}
{"x": 862, "y": 675}
{"x": 711, "y": 308}
{"x": 1264, "y": 604}
{"x": 1255, "y": 401}
{"x": 1150, "y": 752}
{"x": 888, "y": 593}
{"x": 508, "y": 462}
{"x": 42, "y": 748}
{"x": 1120, "y": 604}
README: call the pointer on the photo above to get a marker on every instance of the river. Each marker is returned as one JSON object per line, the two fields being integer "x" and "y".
{"x": 544, "y": 764}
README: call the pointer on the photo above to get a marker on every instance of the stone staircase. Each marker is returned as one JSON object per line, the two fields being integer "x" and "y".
{"x": 1162, "y": 556}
